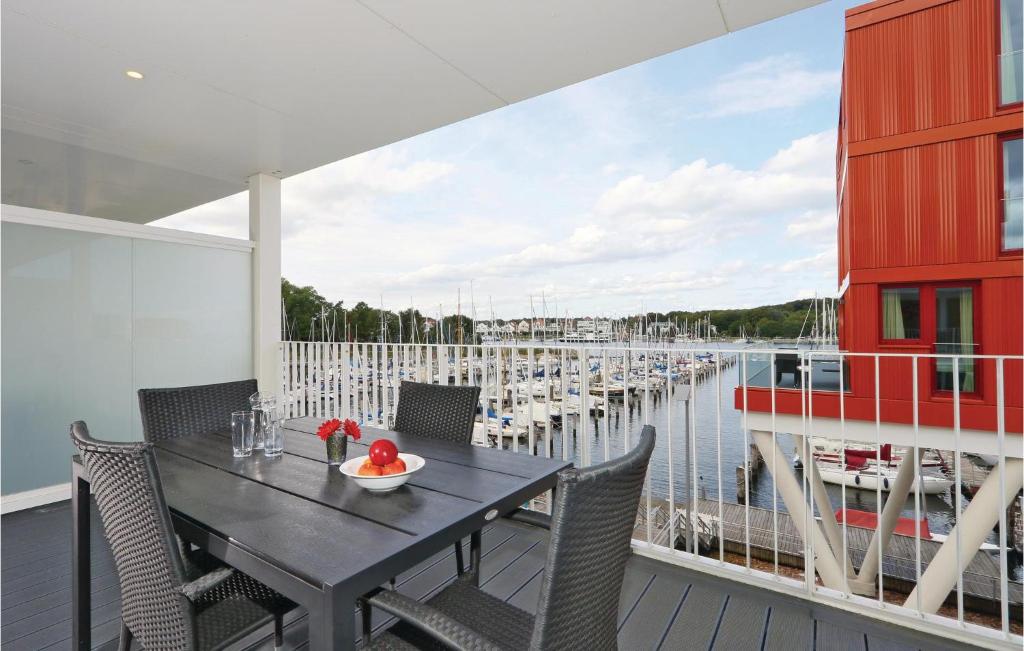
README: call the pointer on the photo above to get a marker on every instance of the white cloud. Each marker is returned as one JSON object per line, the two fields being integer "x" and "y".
{"x": 381, "y": 171}
{"x": 813, "y": 223}
{"x": 640, "y": 219}
{"x": 805, "y": 293}
{"x": 826, "y": 260}
{"x": 813, "y": 154}
{"x": 775, "y": 82}
{"x": 339, "y": 192}
{"x": 795, "y": 176}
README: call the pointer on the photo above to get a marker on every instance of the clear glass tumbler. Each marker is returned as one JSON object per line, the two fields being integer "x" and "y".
{"x": 273, "y": 435}
{"x": 243, "y": 427}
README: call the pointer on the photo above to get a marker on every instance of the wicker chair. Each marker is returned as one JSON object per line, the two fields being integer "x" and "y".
{"x": 446, "y": 413}
{"x": 437, "y": 411}
{"x": 171, "y": 597}
{"x": 594, "y": 514}
{"x": 183, "y": 411}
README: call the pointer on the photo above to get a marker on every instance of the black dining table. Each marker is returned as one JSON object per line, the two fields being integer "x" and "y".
{"x": 307, "y": 531}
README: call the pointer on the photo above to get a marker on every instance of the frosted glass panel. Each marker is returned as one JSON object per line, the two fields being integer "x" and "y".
{"x": 66, "y": 347}
{"x": 192, "y": 316}
{"x": 88, "y": 319}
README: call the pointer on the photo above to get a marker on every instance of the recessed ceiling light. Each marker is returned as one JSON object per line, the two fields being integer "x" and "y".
{"x": 134, "y": 74}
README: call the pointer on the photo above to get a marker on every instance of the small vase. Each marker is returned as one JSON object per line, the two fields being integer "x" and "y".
{"x": 337, "y": 449}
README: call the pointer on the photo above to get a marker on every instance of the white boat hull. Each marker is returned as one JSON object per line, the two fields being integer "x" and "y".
{"x": 872, "y": 481}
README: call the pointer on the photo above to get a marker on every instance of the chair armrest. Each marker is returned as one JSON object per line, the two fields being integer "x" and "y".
{"x": 532, "y": 518}
{"x": 431, "y": 621}
{"x": 195, "y": 589}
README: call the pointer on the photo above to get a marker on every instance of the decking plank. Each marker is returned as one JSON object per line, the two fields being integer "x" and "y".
{"x": 743, "y": 624}
{"x": 637, "y": 580}
{"x": 646, "y": 624}
{"x": 429, "y": 577}
{"x": 789, "y": 629}
{"x": 15, "y": 609}
{"x": 507, "y": 582}
{"x": 877, "y": 643}
{"x": 828, "y": 635}
{"x": 695, "y": 623}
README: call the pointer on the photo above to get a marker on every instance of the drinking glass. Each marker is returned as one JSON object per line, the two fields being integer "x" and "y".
{"x": 273, "y": 435}
{"x": 243, "y": 425}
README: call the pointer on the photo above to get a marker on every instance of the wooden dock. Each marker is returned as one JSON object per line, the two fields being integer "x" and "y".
{"x": 980, "y": 578}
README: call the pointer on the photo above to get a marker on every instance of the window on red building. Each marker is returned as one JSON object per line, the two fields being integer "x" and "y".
{"x": 1011, "y": 42}
{"x": 941, "y": 318}
{"x": 954, "y": 334}
{"x": 1013, "y": 190}
{"x": 901, "y": 313}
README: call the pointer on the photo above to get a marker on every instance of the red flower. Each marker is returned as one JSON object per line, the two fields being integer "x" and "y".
{"x": 351, "y": 428}
{"x": 327, "y": 428}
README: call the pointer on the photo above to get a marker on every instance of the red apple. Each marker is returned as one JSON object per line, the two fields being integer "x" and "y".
{"x": 383, "y": 452}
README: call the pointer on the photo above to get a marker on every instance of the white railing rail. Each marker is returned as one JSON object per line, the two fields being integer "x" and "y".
{"x": 730, "y": 423}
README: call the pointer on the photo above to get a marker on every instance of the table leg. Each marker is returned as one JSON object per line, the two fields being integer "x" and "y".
{"x": 332, "y": 623}
{"x": 81, "y": 607}
{"x": 475, "y": 545}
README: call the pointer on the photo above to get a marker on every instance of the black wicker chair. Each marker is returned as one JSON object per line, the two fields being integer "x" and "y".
{"x": 171, "y": 597}
{"x": 437, "y": 411}
{"x": 594, "y": 514}
{"x": 446, "y": 413}
{"x": 183, "y": 411}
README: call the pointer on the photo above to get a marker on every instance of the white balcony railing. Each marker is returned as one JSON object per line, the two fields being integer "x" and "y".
{"x": 722, "y": 493}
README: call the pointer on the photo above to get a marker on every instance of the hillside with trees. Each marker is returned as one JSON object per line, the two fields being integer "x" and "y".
{"x": 311, "y": 317}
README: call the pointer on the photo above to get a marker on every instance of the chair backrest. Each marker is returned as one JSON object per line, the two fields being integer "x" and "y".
{"x": 437, "y": 411}
{"x": 184, "y": 411}
{"x": 591, "y": 526}
{"x": 126, "y": 483}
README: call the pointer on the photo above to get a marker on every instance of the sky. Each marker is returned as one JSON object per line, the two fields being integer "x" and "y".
{"x": 701, "y": 179}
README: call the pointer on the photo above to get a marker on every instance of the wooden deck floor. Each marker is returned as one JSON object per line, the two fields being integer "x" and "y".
{"x": 662, "y": 606}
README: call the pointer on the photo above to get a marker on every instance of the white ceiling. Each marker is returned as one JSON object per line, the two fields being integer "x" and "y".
{"x": 235, "y": 87}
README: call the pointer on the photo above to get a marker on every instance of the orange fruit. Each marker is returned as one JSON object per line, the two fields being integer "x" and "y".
{"x": 370, "y": 471}
{"x": 398, "y": 463}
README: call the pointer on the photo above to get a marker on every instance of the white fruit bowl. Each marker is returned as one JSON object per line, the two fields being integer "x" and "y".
{"x": 382, "y": 483}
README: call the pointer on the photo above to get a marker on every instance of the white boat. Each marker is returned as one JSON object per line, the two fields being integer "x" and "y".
{"x": 540, "y": 412}
{"x": 831, "y": 450}
{"x": 595, "y": 405}
{"x": 507, "y": 431}
{"x": 872, "y": 478}
{"x": 615, "y": 390}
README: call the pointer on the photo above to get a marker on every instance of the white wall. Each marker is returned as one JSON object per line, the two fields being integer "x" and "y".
{"x": 93, "y": 310}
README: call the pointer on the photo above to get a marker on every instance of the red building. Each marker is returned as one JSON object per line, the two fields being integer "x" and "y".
{"x": 928, "y": 183}
{"x": 928, "y": 188}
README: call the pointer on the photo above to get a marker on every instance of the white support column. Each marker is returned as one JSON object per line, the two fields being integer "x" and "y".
{"x": 265, "y": 231}
{"x": 828, "y": 517}
{"x": 831, "y": 572}
{"x": 865, "y": 583}
{"x": 975, "y": 524}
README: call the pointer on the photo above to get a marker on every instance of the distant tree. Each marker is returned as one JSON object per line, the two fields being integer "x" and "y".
{"x": 309, "y": 316}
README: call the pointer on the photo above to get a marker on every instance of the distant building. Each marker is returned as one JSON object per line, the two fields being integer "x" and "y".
{"x": 662, "y": 328}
